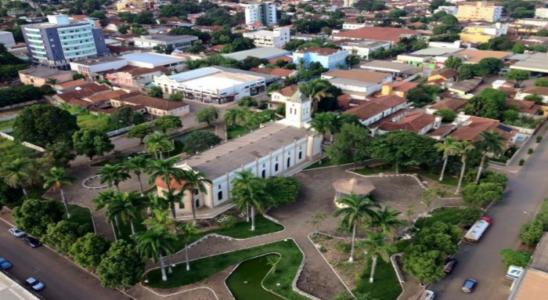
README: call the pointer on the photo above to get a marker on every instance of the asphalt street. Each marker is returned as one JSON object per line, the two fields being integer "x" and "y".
{"x": 482, "y": 262}
{"x": 63, "y": 279}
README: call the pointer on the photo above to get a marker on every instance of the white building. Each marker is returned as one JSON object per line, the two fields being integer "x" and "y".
{"x": 450, "y": 10}
{"x": 353, "y": 25}
{"x": 152, "y": 60}
{"x": 214, "y": 84}
{"x": 276, "y": 149}
{"x": 164, "y": 40}
{"x": 266, "y": 38}
{"x": 541, "y": 13}
{"x": 92, "y": 66}
{"x": 7, "y": 39}
{"x": 363, "y": 48}
{"x": 263, "y": 12}
{"x": 357, "y": 83}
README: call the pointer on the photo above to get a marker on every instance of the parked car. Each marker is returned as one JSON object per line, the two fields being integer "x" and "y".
{"x": 32, "y": 241}
{"x": 16, "y": 232}
{"x": 4, "y": 264}
{"x": 450, "y": 266}
{"x": 427, "y": 295}
{"x": 35, "y": 284}
{"x": 469, "y": 285}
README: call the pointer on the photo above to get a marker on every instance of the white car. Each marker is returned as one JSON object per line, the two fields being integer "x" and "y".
{"x": 427, "y": 295}
{"x": 34, "y": 284}
{"x": 17, "y": 232}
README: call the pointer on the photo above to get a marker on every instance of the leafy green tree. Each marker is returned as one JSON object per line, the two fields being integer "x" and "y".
{"x": 112, "y": 175}
{"x": 61, "y": 153}
{"x": 538, "y": 99}
{"x": 56, "y": 178}
{"x": 469, "y": 215}
{"x": 177, "y": 96}
{"x": 128, "y": 206}
{"x": 541, "y": 82}
{"x": 425, "y": 265}
{"x": 462, "y": 149}
{"x": 403, "y": 148}
{"x": 500, "y": 43}
{"x": 250, "y": 192}
{"x": 154, "y": 244}
{"x": 282, "y": 190}
{"x": 62, "y": 235}
{"x": 519, "y": 48}
{"x": 77, "y": 76}
{"x": 316, "y": 90}
{"x": 44, "y": 125}
{"x": 487, "y": 104}
{"x": 356, "y": 210}
{"x": 488, "y": 66}
{"x": 106, "y": 200}
{"x": 248, "y": 101}
{"x": 120, "y": 266}
{"x": 531, "y": 232}
{"x": 423, "y": 94}
{"x": 140, "y": 131}
{"x": 467, "y": 71}
{"x": 491, "y": 143}
{"x": 515, "y": 258}
{"x": 518, "y": 76}
{"x": 441, "y": 236}
{"x": 196, "y": 48}
{"x": 17, "y": 174}
{"x": 446, "y": 114}
{"x": 188, "y": 231}
{"x": 376, "y": 247}
{"x": 88, "y": 250}
{"x": 542, "y": 32}
{"x": 208, "y": 115}
{"x": 166, "y": 123}
{"x": 160, "y": 220}
{"x": 158, "y": 143}
{"x": 350, "y": 145}
{"x": 237, "y": 116}
{"x": 125, "y": 116}
{"x": 199, "y": 141}
{"x": 482, "y": 193}
{"x": 156, "y": 92}
{"x": 123, "y": 28}
{"x": 91, "y": 142}
{"x": 34, "y": 216}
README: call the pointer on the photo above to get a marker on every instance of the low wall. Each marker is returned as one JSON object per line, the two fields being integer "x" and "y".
{"x": 20, "y": 105}
{"x": 26, "y": 144}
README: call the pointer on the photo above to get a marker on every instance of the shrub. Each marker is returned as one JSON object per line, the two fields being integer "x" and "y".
{"x": 515, "y": 258}
{"x": 229, "y": 222}
{"x": 62, "y": 235}
{"x": 469, "y": 215}
{"x": 531, "y": 232}
{"x": 34, "y": 216}
{"x": 539, "y": 138}
{"x": 482, "y": 193}
{"x": 521, "y": 162}
{"x": 88, "y": 250}
{"x": 530, "y": 151}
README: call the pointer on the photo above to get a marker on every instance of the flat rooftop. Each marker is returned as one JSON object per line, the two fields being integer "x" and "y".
{"x": 97, "y": 61}
{"x": 53, "y": 25}
{"x": 381, "y": 65}
{"x": 166, "y": 37}
{"x": 436, "y": 51}
{"x": 11, "y": 290}
{"x": 233, "y": 154}
{"x": 262, "y": 52}
{"x": 535, "y": 63}
{"x": 43, "y": 72}
{"x": 152, "y": 58}
{"x": 262, "y": 33}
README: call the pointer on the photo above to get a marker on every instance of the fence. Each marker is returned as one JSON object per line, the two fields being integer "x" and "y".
{"x": 119, "y": 131}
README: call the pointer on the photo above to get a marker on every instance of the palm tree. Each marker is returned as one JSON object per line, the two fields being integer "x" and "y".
{"x": 447, "y": 148}
{"x": 155, "y": 202}
{"x": 237, "y": 116}
{"x": 152, "y": 244}
{"x": 129, "y": 206}
{"x": 160, "y": 220}
{"x": 105, "y": 200}
{"x": 491, "y": 142}
{"x": 113, "y": 175}
{"x": 166, "y": 170}
{"x": 158, "y": 143}
{"x": 321, "y": 123}
{"x": 188, "y": 231}
{"x": 387, "y": 220}
{"x": 17, "y": 174}
{"x": 316, "y": 90}
{"x": 357, "y": 209}
{"x": 172, "y": 198}
{"x": 195, "y": 181}
{"x": 56, "y": 178}
{"x": 249, "y": 191}
{"x": 461, "y": 149}
{"x": 51, "y": 81}
{"x": 138, "y": 165}
{"x": 376, "y": 246}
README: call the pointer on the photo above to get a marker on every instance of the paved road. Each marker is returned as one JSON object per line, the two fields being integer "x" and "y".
{"x": 63, "y": 280}
{"x": 527, "y": 189}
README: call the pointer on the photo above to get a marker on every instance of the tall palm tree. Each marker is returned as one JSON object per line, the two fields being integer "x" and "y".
{"x": 195, "y": 181}
{"x": 56, "y": 178}
{"x": 188, "y": 231}
{"x": 166, "y": 170}
{"x": 129, "y": 206}
{"x": 17, "y": 174}
{"x": 158, "y": 143}
{"x": 387, "y": 220}
{"x": 113, "y": 175}
{"x": 105, "y": 200}
{"x": 237, "y": 116}
{"x": 249, "y": 191}
{"x": 461, "y": 149}
{"x": 357, "y": 209}
{"x": 160, "y": 220}
{"x": 322, "y": 124}
{"x": 153, "y": 244}
{"x": 376, "y": 246}
{"x": 172, "y": 198}
{"x": 138, "y": 165}
{"x": 316, "y": 90}
{"x": 155, "y": 202}
{"x": 447, "y": 148}
{"x": 491, "y": 142}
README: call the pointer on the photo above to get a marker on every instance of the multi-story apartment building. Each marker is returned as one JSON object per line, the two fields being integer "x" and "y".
{"x": 479, "y": 11}
{"x": 135, "y": 4}
{"x": 59, "y": 41}
{"x": 329, "y": 58}
{"x": 264, "y": 12}
{"x": 266, "y": 38}
{"x": 483, "y": 33}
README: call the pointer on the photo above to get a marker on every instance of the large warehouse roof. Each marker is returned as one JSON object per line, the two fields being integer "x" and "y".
{"x": 535, "y": 63}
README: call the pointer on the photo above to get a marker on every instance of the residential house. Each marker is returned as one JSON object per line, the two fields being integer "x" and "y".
{"x": 154, "y": 106}
{"x": 399, "y": 88}
{"x": 532, "y": 283}
{"x": 388, "y": 34}
{"x": 470, "y": 127}
{"x": 283, "y": 73}
{"x": 365, "y": 47}
{"x": 134, "y": 77}
{"x": 464, "y": 88}
{"x": 356, "y": 82}
{"x": 164, "y": 41}
{"x": 41, "y": 75}
{"x": 373, "y": 111}
{"x": 526, "y": 108}
{"x": 443, "y": 77}
{"x": 277, "y": 38}
{"x": 413, "y": 121}
{"x": 471, "y": 56}
{"x": 452, "y": 104}
{"x": 534, "y": 90}
{"x": 483, "y": 33}
{"x": 329, "y": 58}
{"x": 399, "y": 71}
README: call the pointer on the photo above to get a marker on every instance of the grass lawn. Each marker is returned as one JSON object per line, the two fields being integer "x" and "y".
{"x": 125, "y": 229}
{"x": 280, "y": 282}
{"x": 7, "y": 124}
{"x": 385, "y": 285}
{"x": 447, "y": 215}
{"x": 376, "y": 170}
{"x": 235, "y": 131}
{"x": 100, "y": 122}
{"x": 448, "y": 180}
{"x": 80, "y": 215}
{"x": 240, "y": 231}
{"x": 9, "y": 151}
{"x": 325, "y": 162}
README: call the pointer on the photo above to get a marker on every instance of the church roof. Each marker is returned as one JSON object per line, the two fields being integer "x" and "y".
{"x": 298, "y": 97}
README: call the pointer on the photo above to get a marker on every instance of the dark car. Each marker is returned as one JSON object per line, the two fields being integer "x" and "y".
{"x": 469, "y": 285}
{"x": 32, "y": 241}
{"x": 450, "y": 266}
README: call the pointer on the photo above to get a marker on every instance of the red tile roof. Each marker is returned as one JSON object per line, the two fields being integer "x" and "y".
{"x": 101, "y": 97}
{"x": 377, "y": 33}
{"x": 539, "y": 90}
{"x": 284, "y": 58}
{"x": 471, "y": 128}
{"x": 403, "y": 86}
{"x": 414, "y": 122}
{"x": 367, "y": 110}
{"x": 389, "y": 101}
{"x": 288, "y": 90}
{"x": 69, "y": 84}
{"x": 526, "y": 107}
{"x": 453, "y": 104}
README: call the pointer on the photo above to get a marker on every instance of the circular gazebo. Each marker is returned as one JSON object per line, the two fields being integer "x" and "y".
{"x": 345, "y": 187}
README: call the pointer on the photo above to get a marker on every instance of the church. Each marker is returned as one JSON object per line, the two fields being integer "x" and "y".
{"x": 276, "y": 149}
